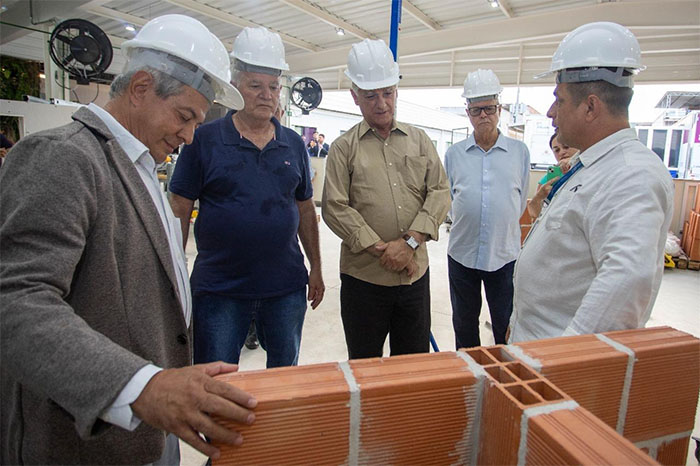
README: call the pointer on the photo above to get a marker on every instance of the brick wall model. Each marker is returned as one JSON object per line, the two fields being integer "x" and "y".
{"x": 575, "y": 400}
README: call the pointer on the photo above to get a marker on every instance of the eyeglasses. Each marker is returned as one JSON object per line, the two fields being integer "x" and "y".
{"x": 488, "y": 109}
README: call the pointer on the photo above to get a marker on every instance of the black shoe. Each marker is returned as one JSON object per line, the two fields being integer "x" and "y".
{"x": 251, "y": 341}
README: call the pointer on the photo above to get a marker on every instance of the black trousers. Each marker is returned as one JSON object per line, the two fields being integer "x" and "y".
{"x": 465, "y": 294}
{"x": 370, "y": 312}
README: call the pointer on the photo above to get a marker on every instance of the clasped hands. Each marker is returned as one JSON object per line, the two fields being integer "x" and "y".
{"x": 397, "y": 255}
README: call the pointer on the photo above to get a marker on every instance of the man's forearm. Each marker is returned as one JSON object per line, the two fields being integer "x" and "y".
{"x": 308, "y": 232}
{"x": 182, "y": 209}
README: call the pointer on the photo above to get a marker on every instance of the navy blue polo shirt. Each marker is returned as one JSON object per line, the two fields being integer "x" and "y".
{"x": 246, "y": 229}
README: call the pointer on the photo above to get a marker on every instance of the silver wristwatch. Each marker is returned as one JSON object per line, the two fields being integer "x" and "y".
{"x": 411, "y": 241}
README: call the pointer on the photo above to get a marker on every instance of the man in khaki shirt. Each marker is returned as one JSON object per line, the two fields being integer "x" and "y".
{"x": 385, "y": 195}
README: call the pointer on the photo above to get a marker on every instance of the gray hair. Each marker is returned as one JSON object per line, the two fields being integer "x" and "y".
{"x": 165, "y": 86}
{"x": 170, "y": 74}
{"x": 239, "y": 67}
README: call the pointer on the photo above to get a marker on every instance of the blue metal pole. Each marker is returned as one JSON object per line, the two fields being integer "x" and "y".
{"x": 394, "y": 46}
{"x": 395, "y": 22}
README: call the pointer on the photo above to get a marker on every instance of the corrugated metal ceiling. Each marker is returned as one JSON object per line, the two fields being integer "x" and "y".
{"x": 440, "y": 40}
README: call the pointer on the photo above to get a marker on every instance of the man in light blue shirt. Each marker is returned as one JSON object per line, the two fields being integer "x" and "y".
{"x": 489, "y": 176}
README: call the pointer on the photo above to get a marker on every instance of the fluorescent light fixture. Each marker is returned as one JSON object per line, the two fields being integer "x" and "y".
{"x": 494, "y": 4}
{"x": 340, "y": 31}
{"x": 129, "y": 28}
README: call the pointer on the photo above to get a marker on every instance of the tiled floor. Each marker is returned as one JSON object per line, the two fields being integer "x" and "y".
{"x": 678, "y": 305}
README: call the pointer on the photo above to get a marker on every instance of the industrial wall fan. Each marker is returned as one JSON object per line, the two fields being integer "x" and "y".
{"x": 306, "y": 94}
{"x": 81, "y": 49}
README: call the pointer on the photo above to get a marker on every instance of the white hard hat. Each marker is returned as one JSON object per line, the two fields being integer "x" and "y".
{"x": 260, "y": 47}
{"x": 594, "y": 46}
{"x": 481, "y": 83}
{"x": 371, "y": 65}
{"x": 189, "y": 40}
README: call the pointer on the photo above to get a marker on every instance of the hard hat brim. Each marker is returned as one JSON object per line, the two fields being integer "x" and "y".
{"x": 231, "y": 98}
{"x": 546, "y": 74}
{"x": 371, "y": 85}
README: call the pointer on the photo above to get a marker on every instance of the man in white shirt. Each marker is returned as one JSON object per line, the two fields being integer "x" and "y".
{"x": 489, "y": 175}
{"x": 593, "y": 261}
{"x": 95, "y": 304}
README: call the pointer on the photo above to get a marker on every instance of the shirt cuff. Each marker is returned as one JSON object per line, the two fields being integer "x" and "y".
{"x": 362, "y": 239}
{"x": 119, "y": 413}
{"x": 424, "y": 223}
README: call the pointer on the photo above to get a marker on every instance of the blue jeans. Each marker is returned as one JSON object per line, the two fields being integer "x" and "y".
{"x": 221, "y": 325}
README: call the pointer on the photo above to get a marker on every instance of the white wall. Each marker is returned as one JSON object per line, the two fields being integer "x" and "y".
{"x": 37, "y": 116}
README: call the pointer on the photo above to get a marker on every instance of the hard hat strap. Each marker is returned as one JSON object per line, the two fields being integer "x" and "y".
{"x": 581, "y": 75}
{"x": 240, "y": 65}
{"x": 185, "y": 72}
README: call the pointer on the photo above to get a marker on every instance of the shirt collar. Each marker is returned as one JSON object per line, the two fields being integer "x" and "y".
{"x": 395, "y": 125}
{"x": 231, "y": 136}
{"x": 602, "y": 147}
{"x": 500, "y": 142}
{"x": 133, "y": 148}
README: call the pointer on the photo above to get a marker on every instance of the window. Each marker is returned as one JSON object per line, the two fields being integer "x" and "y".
{"x": 658, "y": 142}
{"x": 644, "y": 136}
{"x": 674, "y": 150}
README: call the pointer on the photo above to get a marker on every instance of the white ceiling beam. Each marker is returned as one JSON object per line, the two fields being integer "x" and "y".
{"x": 92, "y": 3}
{"x": 670, "y": 14}
{"x": 420, "y": 16}
{"x": 229, "y": 18}
{"x": 116, "y": 15}
{"x": 505, "y": 9}
{"x": 328, "y": 18}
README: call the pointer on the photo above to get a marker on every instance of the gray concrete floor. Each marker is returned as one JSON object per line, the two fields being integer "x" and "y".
{"x": 323, "y": 340}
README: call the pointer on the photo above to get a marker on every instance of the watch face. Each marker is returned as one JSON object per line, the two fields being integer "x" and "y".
{"x": 411, "y": 241}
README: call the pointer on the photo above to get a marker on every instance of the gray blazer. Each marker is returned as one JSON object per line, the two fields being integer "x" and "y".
{"x": 88, "y": 296}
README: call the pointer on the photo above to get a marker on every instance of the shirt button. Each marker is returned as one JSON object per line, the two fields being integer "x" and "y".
{"x": 390, "y": 164}
{"x": 401, "y": 229}
{"x": 386, "y": 143}
{"x": 394, "y": 184}
{"x": 399, "y": 207}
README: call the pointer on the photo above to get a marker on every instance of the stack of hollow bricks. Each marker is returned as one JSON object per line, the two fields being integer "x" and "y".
{"x": 625, "y": 397}
{"x": 691, "y": 231}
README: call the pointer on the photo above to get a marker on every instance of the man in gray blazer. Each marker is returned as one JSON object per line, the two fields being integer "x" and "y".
{"x": 94, "y": 297}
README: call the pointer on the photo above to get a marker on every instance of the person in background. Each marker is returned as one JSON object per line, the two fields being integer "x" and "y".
{"x": 94, "y": 299}
{"x": 5, "y": 146}
{"x": 251, "y": 176}
{"x": 593, "y": 262}
{"x": 562, "y": 153}
{"x": 385, "y": 195}
{"x": 316, "y": 147}
{"x": 564, "y": 156}
{"x": 489, "y": 176}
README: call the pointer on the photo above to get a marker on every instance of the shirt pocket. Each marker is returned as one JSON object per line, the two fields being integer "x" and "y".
{"x": 413, "y": 171}
{"x": 559, "y": 209}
